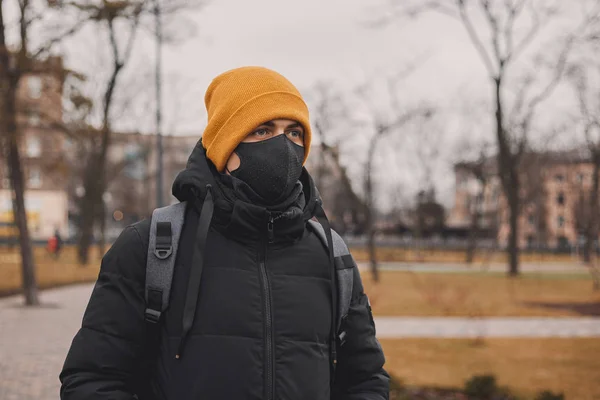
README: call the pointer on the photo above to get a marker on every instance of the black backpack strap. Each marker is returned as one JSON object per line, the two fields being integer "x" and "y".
{"x": 165, "y": 231}
{"x": 344, "y": 273}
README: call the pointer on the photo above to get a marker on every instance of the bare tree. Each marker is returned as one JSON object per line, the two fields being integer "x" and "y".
{"x": 429, "y": 217}
{"x": 331, "y": 175}
{"x": 477, "y": 170}
{"x": 589, "y": 106}
{"x": 110, "y": 18}
{"x": 383, "y": 125}
{"x": 107, "y": 16}
{"x": 14, "y": 66}
{"x": 11, "y": 78}
{"x": 499, "y": 55}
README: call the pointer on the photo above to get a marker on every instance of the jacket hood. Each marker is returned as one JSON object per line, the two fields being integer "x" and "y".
{"x": 193, "y": 182}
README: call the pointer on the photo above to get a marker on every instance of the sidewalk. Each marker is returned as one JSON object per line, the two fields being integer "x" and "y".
{"x": 35, "y": 341}
{"x": 522, "y": 327}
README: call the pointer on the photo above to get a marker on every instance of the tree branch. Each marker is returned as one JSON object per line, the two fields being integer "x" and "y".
{"x": 528, "y": 38}
{"x": 383, "y": 129}
{"x": 475, "y": 39}
{"x": 134, "y": 28}
{"x": 514, "y": 11}
{"x": 438, "y": 6}
{"x": 48, "y": 46}
{"x": 581, "y": 83}
{"x": 553, "y": 83}
{"x": 113, "y": 42}
{"x": 519, "y": 102}
{"x": 495, "y": 28}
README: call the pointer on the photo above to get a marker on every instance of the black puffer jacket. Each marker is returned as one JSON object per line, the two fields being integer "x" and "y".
{"x": 263, "y": 314}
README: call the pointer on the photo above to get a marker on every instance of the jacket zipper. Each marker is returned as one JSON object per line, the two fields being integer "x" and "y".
{"x": 269, "y": 381}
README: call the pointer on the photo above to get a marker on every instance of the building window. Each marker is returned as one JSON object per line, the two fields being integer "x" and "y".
{"x": 68, "y": 144}
{"x": 530, "y": 241}
{"x": 580, "y": 178}
{"x": 563, "y": 243}
{"x": 495, "y": 194}
{"x": 560, "y": 221}
{"x": 5, "y": 180}
{"x": 34, "y": 85}
{"x": 34, "y": 146}
{"x": 531, "y": 219}
{"x": 35, "y": 178}
{"x": 135, "y": 163}
{"x": 560, "y": 199}
{"x": 559, "y": 178}
{"x": 33, "y": 118}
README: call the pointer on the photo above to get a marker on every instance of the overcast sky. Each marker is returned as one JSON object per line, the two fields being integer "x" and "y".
{"x": 315, "y": 40}
{"x": 329, "y": 41}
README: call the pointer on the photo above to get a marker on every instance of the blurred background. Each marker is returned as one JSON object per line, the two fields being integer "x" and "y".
{"x": 456, "y": 146}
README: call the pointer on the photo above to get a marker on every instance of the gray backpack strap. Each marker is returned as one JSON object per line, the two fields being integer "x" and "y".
{"x": 165, "y": 231}
{"x": 344, "y": 265}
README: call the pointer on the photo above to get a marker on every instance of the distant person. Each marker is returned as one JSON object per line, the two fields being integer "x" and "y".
{"x": 54, "y": 244}
{"x": 59, "y": 243}
{"x": 264, "y": 302}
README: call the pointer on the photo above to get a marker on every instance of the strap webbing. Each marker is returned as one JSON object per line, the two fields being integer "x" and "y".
{"x": 193, "y": 289}
{"x": 322, "y": 218}
{"x": 344, "y": 271}
{"x": 165, "y": 230}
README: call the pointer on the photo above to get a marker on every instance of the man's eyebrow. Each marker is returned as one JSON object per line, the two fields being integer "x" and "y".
{"x": 270, "y": 124}
{"x": 295, "y": 125}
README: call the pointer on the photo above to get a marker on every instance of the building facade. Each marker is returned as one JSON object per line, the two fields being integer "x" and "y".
{"x": 555, "y": 189}
{"x": 53, "y": 157}
{"x": 42, "y": 145}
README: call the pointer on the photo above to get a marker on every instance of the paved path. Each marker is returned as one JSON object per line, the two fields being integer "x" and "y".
{"x": 433, "y": 327}
{"x": 34, "y": 341}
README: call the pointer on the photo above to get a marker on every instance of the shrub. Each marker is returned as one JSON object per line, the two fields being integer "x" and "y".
{"x": 481, "y": 387}
{"x": 548, "y": 395}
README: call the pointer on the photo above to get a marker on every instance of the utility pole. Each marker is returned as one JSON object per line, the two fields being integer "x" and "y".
{"x": 158, "y": 82}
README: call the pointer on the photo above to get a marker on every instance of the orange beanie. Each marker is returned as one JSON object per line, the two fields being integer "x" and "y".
{"x": 239, "y": 100}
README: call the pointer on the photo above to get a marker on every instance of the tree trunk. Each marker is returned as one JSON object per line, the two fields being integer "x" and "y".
{"x": 370, "y": 218}
{"x": 508, "y": 172}
{"x": 95, "y": 179}
{"x": 472, "y": 244}
{"x": 10, "y": 76}
{"x": 591, "y": 232}
{"x": 373, "y": 255}
{"x": 322, "y": 166}
{"x": 513, "y": 243}
{"x": 88, "y": 209}
{"x": 102, "y": 239}
{"x": 30, "y": 289}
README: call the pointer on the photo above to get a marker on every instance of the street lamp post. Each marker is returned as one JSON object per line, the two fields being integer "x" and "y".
{"x": 159, "y": 142}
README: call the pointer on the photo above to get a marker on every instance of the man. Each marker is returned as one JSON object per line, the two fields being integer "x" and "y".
{"x": 261, "y": 321}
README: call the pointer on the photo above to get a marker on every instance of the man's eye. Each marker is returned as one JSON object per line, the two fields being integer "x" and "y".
{"x": 261, "y": 132}
{"x": 296, "y": 134}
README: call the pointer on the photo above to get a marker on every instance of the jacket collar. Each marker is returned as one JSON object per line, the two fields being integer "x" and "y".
{"x": 238, "y": 218}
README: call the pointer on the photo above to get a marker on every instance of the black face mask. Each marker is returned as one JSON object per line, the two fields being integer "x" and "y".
{"x": 271, "y": 167}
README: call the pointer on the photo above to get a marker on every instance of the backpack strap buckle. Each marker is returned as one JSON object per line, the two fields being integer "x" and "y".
{"x": 164, "y": 241}
{"x": 152, "y": 316}
{"x": 154, "y": 305}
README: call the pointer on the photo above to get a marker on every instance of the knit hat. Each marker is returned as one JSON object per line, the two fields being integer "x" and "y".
{"x": 239, "y": 100}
